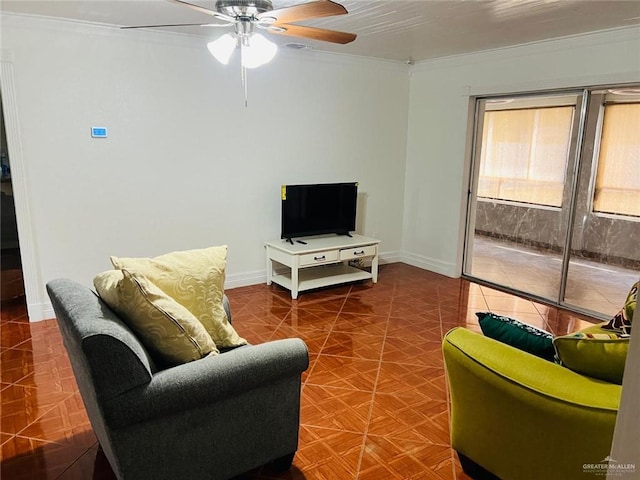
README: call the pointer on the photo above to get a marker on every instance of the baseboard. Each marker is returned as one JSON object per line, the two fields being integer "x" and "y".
{"x": 237, "y": 280}
{"x": 40, "y": 311}
{"x": 431, "y": 264}
{"x": 389, "y": 257}
{"x": 44, "y": 311}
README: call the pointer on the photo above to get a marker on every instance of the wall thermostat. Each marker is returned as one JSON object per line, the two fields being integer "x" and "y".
{"x": 99, "y": 132}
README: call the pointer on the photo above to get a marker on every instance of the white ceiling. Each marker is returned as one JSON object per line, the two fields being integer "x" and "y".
{"x": 390, "y": 29}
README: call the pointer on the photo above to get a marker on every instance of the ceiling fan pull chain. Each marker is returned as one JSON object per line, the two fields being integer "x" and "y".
{"x": 244, "y": 82}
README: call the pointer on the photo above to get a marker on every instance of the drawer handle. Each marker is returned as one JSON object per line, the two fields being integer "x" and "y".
{"x": 361, "y": 252}
{"x": 320, "y": 258}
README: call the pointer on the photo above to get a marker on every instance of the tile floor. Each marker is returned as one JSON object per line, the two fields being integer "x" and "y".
{"x": 592, "y": 286}
{"x": 374, "y": 399}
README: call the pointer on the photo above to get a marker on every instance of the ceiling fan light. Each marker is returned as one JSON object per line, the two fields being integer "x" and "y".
{"x": 258, "y": 51}
{"x": 223, "y": 47}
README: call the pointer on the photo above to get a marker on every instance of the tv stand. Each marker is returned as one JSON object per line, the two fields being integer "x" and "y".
{"x": 321, "y": 261}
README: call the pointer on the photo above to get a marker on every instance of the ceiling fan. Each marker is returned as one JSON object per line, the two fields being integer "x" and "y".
{"x": 247, "y": 15}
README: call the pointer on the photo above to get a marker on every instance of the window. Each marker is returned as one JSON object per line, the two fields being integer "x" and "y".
{"x": 524, "y": 154}
{"x": 617, "y": 185}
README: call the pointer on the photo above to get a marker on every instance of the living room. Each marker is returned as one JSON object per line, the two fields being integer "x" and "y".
{"x": 400, "y": 131}
{"x": 187, "y": 165}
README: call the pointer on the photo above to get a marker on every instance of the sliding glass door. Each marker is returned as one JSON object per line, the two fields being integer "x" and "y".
{"x": 605, "y": 248}
{"x": 536, "y": 188}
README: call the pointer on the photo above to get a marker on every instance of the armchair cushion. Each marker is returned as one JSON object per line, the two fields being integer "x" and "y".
{"x": 195, "y": 279}
{"x": 594, "y": 352}
{"x": 165, "y": 327}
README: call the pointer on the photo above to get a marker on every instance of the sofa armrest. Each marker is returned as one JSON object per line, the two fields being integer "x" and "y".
{"x": 209, "y": 380}
{"x": 506, "y": 400}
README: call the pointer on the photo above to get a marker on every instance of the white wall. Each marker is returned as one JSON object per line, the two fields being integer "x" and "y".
{"x": 439, "y": 122}
{"x": 185, "y": 164}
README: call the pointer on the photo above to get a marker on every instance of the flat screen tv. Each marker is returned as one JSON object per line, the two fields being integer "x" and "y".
{"x": 318, "y": 209}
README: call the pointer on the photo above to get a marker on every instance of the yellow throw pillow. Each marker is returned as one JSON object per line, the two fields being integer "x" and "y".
{"x": 166, "y": 328}
{"x": 594, "y": 352}
{"x": 194, "y": 279}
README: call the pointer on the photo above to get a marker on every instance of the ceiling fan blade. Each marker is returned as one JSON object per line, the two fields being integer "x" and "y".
{"x": 314, "y": 33}
{"x": 304, "y": 11}
{"x": 180, "y": 25}
{"x": 206, "y": 11}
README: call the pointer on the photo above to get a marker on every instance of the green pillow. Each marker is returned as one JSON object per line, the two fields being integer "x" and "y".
{"x": 517, "y": 334}
{"x": 594, "y": 352}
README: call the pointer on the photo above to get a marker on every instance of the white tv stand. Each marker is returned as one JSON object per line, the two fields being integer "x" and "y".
{"x": 320, "y": 261}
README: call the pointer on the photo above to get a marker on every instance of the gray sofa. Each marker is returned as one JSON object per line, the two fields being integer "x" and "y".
{"x": 212, "y": 418}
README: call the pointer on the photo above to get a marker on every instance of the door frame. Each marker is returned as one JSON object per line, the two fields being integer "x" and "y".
{"x": 26, "y": 238}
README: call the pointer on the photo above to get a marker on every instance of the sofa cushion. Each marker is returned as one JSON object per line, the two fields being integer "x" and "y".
{"x": 621, "y": 321}
{"x": 517, "y": 334}
{"x": 194, "y": 279}
{"x": 166, "y": 328}
{"x": 594, "y": 352}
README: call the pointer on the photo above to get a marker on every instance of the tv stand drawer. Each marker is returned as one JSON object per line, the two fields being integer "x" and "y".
{"x": 318, "y": 258}
{"x": 357, "y": 252}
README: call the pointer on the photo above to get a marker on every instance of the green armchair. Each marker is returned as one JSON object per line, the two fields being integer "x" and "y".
{"x": 515, "y": 416}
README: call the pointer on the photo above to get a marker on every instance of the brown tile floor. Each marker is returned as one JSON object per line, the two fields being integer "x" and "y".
{"x": 374, "y": 399}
